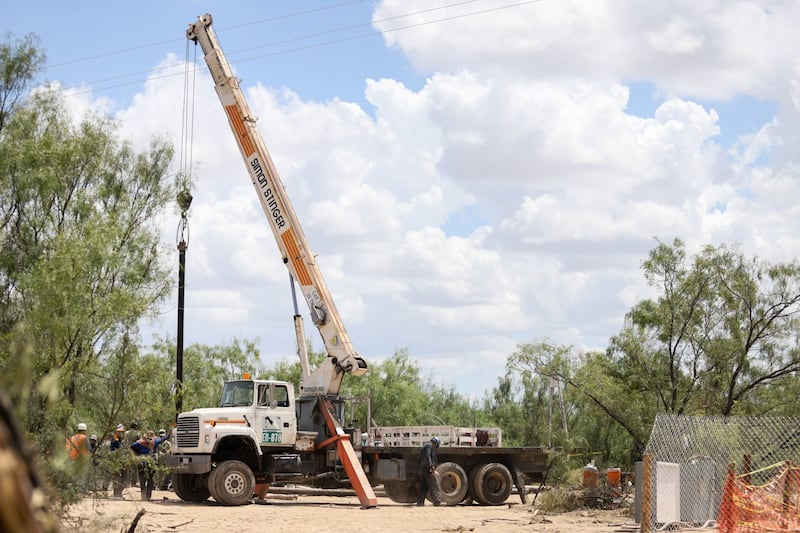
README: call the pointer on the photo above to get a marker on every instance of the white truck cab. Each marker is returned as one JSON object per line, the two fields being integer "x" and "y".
{"x": 271, "y": 406}
{"x": 261, "y": 411}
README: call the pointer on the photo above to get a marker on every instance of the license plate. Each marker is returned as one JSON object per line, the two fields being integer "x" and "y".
{"x": 271, "y": 437}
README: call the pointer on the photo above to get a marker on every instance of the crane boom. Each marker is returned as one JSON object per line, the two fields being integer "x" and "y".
{"x": 342, "y": 357}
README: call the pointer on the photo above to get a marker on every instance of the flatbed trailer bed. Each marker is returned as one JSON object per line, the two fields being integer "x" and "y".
{"x": 484, "y": 474}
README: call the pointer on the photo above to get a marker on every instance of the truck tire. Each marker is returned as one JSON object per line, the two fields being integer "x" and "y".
{"x": 491, "y": 484}
{"x": 232, "y": 483}
{"x": 401, "y": 491}
{"x": 453, "y": 483}
{"x": 191, "y": 487}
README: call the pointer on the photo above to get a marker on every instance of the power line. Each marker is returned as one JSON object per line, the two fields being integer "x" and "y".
{"x": 95, "y": 89}
{"x": 233, "y": 53}
{"x": 383, "y": 32}
{"x": 361, "y": 25}
{"x": 168, "y": 41}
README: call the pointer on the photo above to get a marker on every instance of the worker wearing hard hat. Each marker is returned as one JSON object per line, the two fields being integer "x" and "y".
{"x": 78, "y": 444}
{"x": 79, "y": 451}
{"x": 428, "y": 482}
{"x": 119, "y": 472}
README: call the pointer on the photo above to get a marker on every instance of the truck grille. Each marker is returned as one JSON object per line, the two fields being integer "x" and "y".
{"x": 188, "y": 432}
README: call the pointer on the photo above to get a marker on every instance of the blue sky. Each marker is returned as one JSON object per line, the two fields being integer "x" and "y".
{"x": 322, "y": 49}
{"x": 472, "y": 175}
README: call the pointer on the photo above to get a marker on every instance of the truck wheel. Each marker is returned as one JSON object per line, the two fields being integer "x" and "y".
{"x": 491, "y": 484}
{"x": 453, "y": 482}
{"x": 191, "y": 487}
{"x": 232, "y": 483}
{"x": 401, "y": 491}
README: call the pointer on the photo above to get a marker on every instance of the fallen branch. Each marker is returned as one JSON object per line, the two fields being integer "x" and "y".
{"x": 136, "y": 519}
{"x": 176, "y": 526}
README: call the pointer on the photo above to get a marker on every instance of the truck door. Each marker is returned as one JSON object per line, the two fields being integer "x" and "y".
{"x": 275, "y": 416}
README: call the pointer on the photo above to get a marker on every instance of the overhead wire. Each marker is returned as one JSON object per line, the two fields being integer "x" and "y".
{"x": 360, "y": 25}
{"x": 159, "y": 43}
{"x": 233, "y": 53}
{"x": 383, "y": 32}
{"x": 95, "y": 89}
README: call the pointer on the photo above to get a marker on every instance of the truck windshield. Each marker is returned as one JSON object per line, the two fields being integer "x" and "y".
{"x": 237, "y": 393}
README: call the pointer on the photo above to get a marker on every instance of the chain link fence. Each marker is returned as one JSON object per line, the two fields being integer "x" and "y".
{"x": 689, "y": 458}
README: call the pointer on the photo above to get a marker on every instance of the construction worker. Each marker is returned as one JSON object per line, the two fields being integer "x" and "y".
{"x": 132, "y": 435}
{"x": 118, "y": 461}
{"x": 79, "y": 451}
{"x": 78, "y": 444}
{"x": 163, "y": 474}
{"x": 428, "y": 482}
{"x": 145, "y": 449}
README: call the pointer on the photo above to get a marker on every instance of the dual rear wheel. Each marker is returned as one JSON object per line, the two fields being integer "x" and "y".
{"x": 453, "y": 483}
{"x": 490, "y": 484}
{"x": 487, "y": 484}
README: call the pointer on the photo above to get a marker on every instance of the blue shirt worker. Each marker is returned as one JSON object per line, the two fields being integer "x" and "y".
{"x": 428, "y": 482}
{"x": 145, "y": 448}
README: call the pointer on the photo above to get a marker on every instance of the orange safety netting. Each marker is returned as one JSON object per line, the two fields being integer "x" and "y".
{"x": 771, "y": 507}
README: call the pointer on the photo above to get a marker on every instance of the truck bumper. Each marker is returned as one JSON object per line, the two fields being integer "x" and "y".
{"x": 189, "y": 464}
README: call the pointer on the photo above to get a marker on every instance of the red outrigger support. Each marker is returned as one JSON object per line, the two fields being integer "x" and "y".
{"x": 347, "y": 454}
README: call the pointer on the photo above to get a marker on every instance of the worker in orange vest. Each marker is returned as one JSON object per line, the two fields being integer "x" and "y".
{"x": 79, "y": 451}
{"x": 78, "y": 444}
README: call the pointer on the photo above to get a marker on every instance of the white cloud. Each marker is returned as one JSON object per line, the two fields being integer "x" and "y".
{"x": 524, "y": 119}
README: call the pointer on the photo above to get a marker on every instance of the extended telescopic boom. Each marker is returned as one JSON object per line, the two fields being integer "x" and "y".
{"x": 296, "y": 253}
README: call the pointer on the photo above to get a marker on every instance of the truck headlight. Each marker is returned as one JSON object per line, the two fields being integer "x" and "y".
{"x": 207, "y": 438}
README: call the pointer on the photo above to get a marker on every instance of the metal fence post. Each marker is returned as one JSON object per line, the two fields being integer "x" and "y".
{"x": 647, "y": 492}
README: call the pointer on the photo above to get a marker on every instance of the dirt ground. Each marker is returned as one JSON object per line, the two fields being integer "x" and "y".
{"x": 298, "y": 514}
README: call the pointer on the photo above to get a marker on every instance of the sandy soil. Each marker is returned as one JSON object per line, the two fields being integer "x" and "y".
{"x": 298, "y": 514}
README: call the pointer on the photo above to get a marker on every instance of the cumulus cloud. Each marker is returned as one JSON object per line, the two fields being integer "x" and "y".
{"x": 524, "y": 122}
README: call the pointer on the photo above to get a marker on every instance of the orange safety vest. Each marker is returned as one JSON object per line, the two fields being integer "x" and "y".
{"x": 78, "y": 446}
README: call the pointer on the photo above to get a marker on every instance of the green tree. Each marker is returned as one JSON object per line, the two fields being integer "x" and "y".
{"x": 80, "y": 260}
{"x": 396, "y": 391}
{"x": 20, "y": 61}
{"x": 290, "y": 370}
{"x": 719, "y": 339}
{"x": 542, "y": 370}
{"x": 453, "y": 408}
{"x": 205, "y": 370}
{"x": 723, "y": 328}
{"x": 109, "y": 385}
{"x": 504, "y": 405}
{"x": 401, "y": 395}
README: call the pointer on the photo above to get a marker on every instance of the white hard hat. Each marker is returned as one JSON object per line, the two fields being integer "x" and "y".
{"x": 82, "y": 427}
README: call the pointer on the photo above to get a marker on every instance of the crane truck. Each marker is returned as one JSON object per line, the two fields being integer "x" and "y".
{"x": 262, "y": 433}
